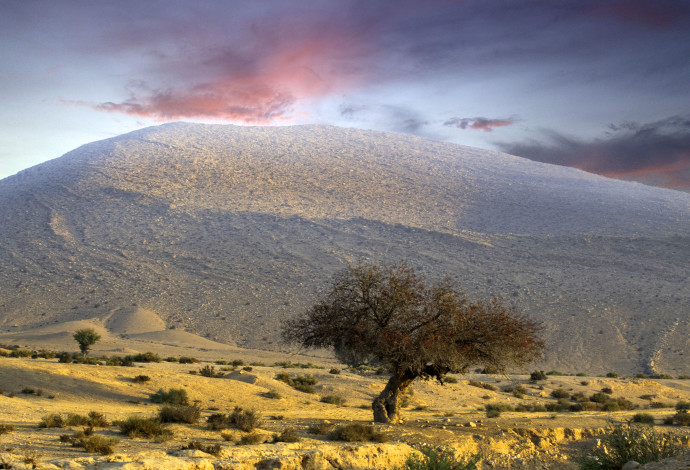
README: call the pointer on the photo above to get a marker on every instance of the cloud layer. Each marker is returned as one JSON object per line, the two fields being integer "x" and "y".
{"x": 656, "y": 152}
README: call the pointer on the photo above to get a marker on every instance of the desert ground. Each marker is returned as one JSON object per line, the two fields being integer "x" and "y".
{"x": 451, "y": 415}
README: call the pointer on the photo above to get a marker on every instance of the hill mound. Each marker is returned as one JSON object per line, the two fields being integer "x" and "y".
{"x": 224, "y": 231}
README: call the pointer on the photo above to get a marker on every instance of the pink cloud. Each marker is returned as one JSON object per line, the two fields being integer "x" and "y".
{"x": 478, "y": 123}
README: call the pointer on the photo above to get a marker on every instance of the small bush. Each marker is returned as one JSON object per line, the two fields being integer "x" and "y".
{"x": 53, "y": 420}
{"x": 646, "y": 397}
{"x": 213, "y": 449}
{"x": 334, "y": 371}
{"x": 210, "y": 371}
{"x": 320, "y": 429}
{"x": 65, "y": 358}
{"x": 560, "y": 393}
{"x": 612, "y": 375}
{"x": 357, "y": 433}
{"x": 174, "y": 396}
{"x": 600, "y": 397}
{"x": 555, "y": 372}
{"x": 682, "y": 418}
{"x": 625, "y": 442}
{"x": 245, "y": 420}
{"x": 179, "y": 414}
{"x": 485, "y": 386}
{"x": 273, "y": 394}
{"x": 6, "y": 428}
{"x": 139, "y": 426}
{"x": 440, "y": 459}
{"x": 288, "y": 435}
{"x": 145, "y": 357}
{"x": 74, "y": 419}
{"x": 683, "y": 406}
{"x": 334, "y": 400}
{"x": 252, "y": 439}
{"x": 537, "y": 376}
{"x": 140, "y": 379}
{"x": 217, "y": 421}
{"x": 188, "y": 360}
{"x": 643, "y": 418}
{"x": 449, "y": 379}
{"x": 21, "y": 353}
{"x": 658, "y": 404}
{"x": 119, "y": 361}
{"x": 607, "y": 390}
{"x": 171, "y": 359}
{"x": 96, "y": 444}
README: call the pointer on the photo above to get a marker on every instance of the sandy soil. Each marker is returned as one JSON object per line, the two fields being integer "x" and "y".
{"x": 450, "y": 415}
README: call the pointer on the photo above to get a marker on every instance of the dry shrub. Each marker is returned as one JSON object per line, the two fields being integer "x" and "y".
{"x": 356, "y": 433}
{"x": 245, "y": 420}
{"x": 179, "y": 414}
{"x": 288, "y": 435}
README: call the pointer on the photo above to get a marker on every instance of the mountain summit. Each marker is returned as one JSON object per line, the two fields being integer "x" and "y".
{"x": 225, "y": 231}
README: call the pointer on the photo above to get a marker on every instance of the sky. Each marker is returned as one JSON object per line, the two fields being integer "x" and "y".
{"x": 599, "y": 85}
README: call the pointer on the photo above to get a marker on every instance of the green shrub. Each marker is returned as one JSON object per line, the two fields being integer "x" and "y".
{"x": 171, "y": 359}
{"x": 53, "y": 420}
{"x": 658, "y": 404}
{"x": 440, "y": 459}
{"x": 179, "y": 414}
{"x": 65, "y": 358}
{"x": 245, "y": 420}
{"x": 140, "y": 379}
{"x": 74, "y": 419}
{"x": 560, "y": 393}
{"x": 643, "y": 418}
{"x": 607, "y": 390}
{"x": 356, "y": 433}
{"x": 600, "y": 397}
{"x": 174, "y": 396}
{"x": 684, "y": 377}
{"x": 238, "y": 363}
{"x": 210, "y": 371}
{"x": 537, "y": 376}
{"x": 145, "y": 357}
{"x": 449, "y": 379}
{"x": 334, "y": 371}
{"x": 140, "y": 426}
{"x": 612, "y": 375}
{"x": 188, "y": 360}
{"x": 333, "y": 400}
{"x": 21, "y": 353}
{"x": 555, "y": 372}
{"x": 288, "y": 434}
{"x": 625, "y": 442}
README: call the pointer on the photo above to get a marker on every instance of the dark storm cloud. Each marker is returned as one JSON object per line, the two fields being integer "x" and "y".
{"x": 654, "y": 152}
{"x": 257, "y": 61}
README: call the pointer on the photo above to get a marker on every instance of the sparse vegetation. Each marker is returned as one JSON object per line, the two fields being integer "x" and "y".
{"x": 442, "y": 458}
{"x": 537, "y": 375}
{"x": 643, "y": 418}
{"x": 140, "y": 426}
{"x": 140, "y": 379}
{"x": 174, "y": 396}
{"x": 245, "y": 420}
{"x": 484, "y": 385}
{"x": 303, "y": 383}
{"x": 625, "y": 442}
{"x": 252, "y": 439}
{"x": 53, "y": 420}
{"x": 321, "y": 429}
{"x": 334, "y": 400}
{"x": 357, "y": 433}
{"x": 210, "y": 371}
{"x": 6, "y": 428}
{"x": 179, "y": 414}
{"x": 288, "y": 434}
{"x": 188, "y": 360}
{"x": 213, "y": 449}
{"x": 145, "y": 357}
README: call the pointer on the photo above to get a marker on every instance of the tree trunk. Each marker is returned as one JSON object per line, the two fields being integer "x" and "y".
{"x": 387, "y": 405}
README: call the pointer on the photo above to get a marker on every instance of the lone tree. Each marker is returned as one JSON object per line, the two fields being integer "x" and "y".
{"x": 418, "y": 331}
{"x": 86, "y": 338}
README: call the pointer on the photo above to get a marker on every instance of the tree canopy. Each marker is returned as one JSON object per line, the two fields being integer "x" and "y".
{"x": 86, "y": 338}
{"x": 418, "y": 330}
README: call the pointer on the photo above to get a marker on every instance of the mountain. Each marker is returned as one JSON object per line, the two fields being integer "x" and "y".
{"x": 224, "y": 231}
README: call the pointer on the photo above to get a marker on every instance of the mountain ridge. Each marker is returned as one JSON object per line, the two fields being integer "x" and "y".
{"x": 226, "y": 230}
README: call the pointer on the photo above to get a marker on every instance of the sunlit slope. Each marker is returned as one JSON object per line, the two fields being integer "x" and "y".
{"x": 226, "y": 230}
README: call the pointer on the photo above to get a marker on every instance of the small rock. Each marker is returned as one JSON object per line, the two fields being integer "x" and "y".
{"x": 630, "y": 465}
{"x": 471, "y": 425}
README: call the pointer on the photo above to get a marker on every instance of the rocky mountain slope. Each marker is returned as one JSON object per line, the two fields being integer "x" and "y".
{"x": 224, "y": 231}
